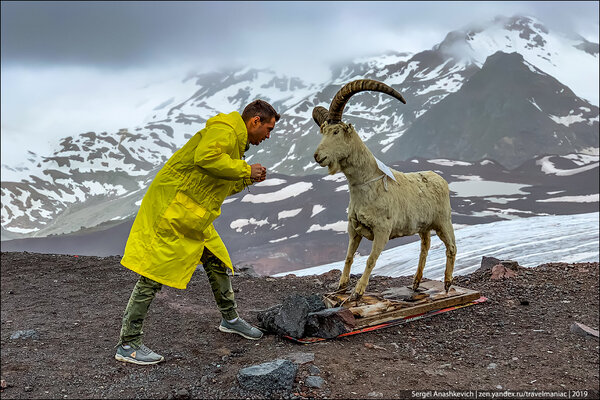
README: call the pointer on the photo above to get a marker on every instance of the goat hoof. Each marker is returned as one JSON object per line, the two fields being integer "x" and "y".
{"x": 341, "y": 289}
{"x": 415, "y": 286}
{"x": 447, "y": 285}
{"x": 355, "y": 296}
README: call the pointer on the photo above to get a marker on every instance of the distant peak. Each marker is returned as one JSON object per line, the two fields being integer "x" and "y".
{"x": 503, "y": 60}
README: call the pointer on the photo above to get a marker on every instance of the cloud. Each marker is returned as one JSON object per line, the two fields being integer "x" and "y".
{"x": 132, "y": 34}
{"x": 71, "y": 67}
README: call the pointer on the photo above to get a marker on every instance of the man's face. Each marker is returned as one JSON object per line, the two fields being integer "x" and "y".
{"x": 259, "y": 131}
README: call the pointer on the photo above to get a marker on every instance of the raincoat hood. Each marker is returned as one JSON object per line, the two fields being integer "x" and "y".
{"x": 232, "y": 121}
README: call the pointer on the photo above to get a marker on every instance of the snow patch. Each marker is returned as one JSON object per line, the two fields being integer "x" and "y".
{"x": 317, "y": 208}
{"x": 573, "y": 238}
{"x": 449, "y": 163}
{"x": 590, "y": 198}
{"x": 282, "y": 194}
{"x": 271, "y": 182}
{"x": 340, "y": 226}
{"x": 548, "y": 167}
{"x": 288, "y": 213}
{"x": 238, "y": 224}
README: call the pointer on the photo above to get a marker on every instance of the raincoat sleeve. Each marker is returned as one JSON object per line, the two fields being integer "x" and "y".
{"x": 240, "y": 185}
{"x": 213, "y": 155}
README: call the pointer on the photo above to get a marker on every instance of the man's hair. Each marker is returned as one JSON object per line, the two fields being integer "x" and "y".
{"x": 261, "y": 108}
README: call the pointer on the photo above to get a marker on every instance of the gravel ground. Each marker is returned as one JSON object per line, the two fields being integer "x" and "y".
{"x": 519, "y": 339}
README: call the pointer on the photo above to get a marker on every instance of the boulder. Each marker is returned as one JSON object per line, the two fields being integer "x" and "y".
{"x": 499, "y": 271}
{"x": 289, "y": 318}
{"x": 487, "y": 263}
{"x": 269, "y": 376}
{"x": 330, "y": 322}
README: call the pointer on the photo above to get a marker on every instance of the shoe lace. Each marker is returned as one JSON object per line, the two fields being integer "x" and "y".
{"x": 243, "y": 322}
{"x": 144, "y": 349}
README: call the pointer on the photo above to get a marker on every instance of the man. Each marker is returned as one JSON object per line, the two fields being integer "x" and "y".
{"x": 173, "y": 229}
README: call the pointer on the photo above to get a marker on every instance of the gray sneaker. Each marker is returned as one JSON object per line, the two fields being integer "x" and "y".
{"x": 142, "y": 355}
{"x": 240, "y": 327}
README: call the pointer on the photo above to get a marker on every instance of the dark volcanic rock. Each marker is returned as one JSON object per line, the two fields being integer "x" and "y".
{"x": 287, "y": 319}
{"x": 330, "y": 322}
{"x": 487, "y": 263}
{"x": 315, "y": 303}
{"x": 267, "y": 377}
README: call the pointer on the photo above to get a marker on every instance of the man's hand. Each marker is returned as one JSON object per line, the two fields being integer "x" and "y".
{"x": 258, "y": 173}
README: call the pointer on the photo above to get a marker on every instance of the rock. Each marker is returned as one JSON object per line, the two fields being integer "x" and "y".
{"x": 266, "y": 318}
{"x": 487, "y": 263}
{"x": 3, "y": 384}
{"x": 315, "y": 303}
{"x": 375, "y": 394}
{"x": 182, "y": 394}
{"x": 514, "y": 265}
{"x": 499, "y": 271}
{"x": 287, "y": 319}
{"x": 330, "y": 322}
{"x": 300, "y": 358}
{"x": 267, "y": 377}
{"x": 28, "y": 388}
{"x": 246, "y": 270}
{"x": 25, "y": 334}
{"x": 314, "y": 370}
{"x": 204, "y": 380}
{"x": 492, "y": 366}
{"x": 524, "y": 302}
{"x": 314, "y": 381}
{"x": 583, "y": 330}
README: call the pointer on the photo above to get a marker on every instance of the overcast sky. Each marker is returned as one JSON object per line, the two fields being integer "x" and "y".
{"x": 72, "y": 67}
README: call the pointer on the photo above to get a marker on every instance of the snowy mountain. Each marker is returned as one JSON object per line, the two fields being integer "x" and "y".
{"x": 291, "y": 222}
{"x": 508, "y": 111}
{"x": 98, "y": 179}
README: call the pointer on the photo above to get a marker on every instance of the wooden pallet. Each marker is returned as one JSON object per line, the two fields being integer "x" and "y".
{"x": 376, "y": 308}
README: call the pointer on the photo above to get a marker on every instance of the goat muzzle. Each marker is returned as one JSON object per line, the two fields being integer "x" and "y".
{"x": 317, "y": 160}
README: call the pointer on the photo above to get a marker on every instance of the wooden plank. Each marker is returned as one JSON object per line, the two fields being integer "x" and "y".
{"x": 374, "y": 308}
{"x": 419, "y": 309}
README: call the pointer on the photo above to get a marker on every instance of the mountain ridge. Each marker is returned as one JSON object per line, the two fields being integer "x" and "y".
{"x": 45, "y": 192}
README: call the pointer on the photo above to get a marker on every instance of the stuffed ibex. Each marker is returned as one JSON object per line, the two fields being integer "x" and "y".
{"x": 384, "y": 203}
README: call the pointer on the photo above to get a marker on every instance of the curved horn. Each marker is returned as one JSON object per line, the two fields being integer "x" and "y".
{"x": 320, "y": 115}
{"x": 336, "y": 109}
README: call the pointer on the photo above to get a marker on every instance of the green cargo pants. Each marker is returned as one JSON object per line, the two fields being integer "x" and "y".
{"x": 145, "y": 289}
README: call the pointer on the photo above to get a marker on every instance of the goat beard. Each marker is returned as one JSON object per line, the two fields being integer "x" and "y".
{"x": 334, "y": 168}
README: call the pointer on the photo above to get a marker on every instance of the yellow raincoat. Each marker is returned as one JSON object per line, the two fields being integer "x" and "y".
{"x": 174, "y": 222}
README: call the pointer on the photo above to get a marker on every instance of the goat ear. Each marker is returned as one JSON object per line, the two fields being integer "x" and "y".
{"x": 349, "y": 128}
